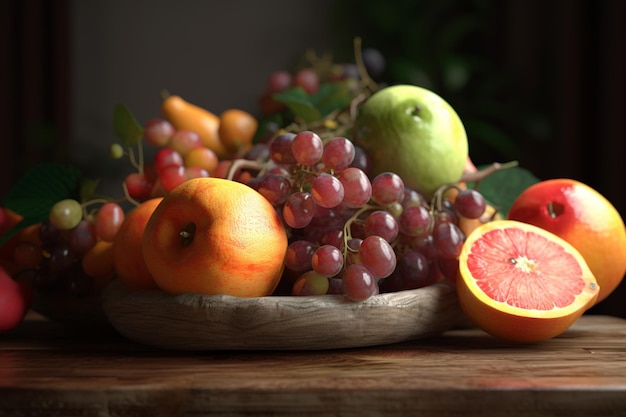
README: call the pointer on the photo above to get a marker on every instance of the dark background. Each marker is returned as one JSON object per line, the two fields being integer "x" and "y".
{"x": 541, "y": 82}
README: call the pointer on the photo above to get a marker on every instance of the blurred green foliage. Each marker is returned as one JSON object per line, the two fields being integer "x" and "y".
{"x": 455, "y": 48}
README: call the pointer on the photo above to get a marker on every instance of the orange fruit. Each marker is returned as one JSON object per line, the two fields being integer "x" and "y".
{"x": 237, "y": 129}
{"x": 203, "y": 158}
{"x": 215, "y": 236}
{"x": 98, "y": 263}
{"x": 583, "y": 217}
{"x": 130, "y": 267}
{"x": 522, "y": 283}
{"x": 187, "y": 116}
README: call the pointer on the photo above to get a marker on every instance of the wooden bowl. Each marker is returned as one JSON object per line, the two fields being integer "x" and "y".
{"x": 198, "y": 322}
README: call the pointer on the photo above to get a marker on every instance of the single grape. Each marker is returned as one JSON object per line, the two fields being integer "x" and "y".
{"x": 279, "y": 81}
{"x": 357, "y": 187}
{"x": 425, "y": 244}
{"x": 60, "y": 260}
{"x": 335, "y": 286}
{"x": 382, "y": 223}
{"x": 415, "y": 220}
{"x": 166, "y": 157}
{"x": 448, "y": 239}
{"x": 415, "y": 270}
{"x": 280, "y": 149}
{"x": 310, "y": 283}
{"x": 49, "y": 234}
{"x": 66, "y": 214}
{"x": 334, "y": 237}
{"x": 172, "y": 176}
{"x": 275, "y": 188}
{"x": 387, "y": 188}
{"x": 308, "y": 79}
{"x": 470, "y": 203}
{"x": 116, "y": 151}
{"x": 374, "y": 62}
{"x": 358, "y": 283}
{"x": 201, "y": 157}
{"x": 307, "y": 147}
{"x": 378, "y": 256}
{"x": 327, "y": 260}
{"x": 338, "y": 154}
{"x": 83, "y": 237}
{"x": 413, "y": 198}
{"x": 327, "y": 190}
{"x": 299, "y": 254}
{"x": 138, "y": 186}
{"x": 183, "y": 141}
{"x": 157, "y": 132}
{"x": 299, "y": 209}
{"x": 361, "y": 159}
{"x": 108, "y": 220}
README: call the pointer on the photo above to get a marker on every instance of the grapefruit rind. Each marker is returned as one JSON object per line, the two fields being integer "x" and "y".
{"x": 515, "y": 323}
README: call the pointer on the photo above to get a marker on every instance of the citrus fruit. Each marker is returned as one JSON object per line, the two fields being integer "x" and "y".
{"x": 522, "y": 283}
{"x": 237, "y": 129}
{"x": 215, "y": 236}
{"x": 583, "y": 217}
{"x": 130, "y": 267}
{"x": 415, "y": 133}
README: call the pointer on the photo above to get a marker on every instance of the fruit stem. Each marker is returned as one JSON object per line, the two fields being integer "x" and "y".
{"x": 127, "y": 195}
{"x": 187, "y": 234}
{"x": 239, "y": 164}
{"x": 366, "y": 80}
{"x": 485, "y": 172}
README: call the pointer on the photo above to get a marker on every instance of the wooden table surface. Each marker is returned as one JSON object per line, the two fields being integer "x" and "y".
{"x": 47, "y": 369}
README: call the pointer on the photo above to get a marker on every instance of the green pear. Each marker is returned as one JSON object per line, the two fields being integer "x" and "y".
{"x": 415, "y": 133}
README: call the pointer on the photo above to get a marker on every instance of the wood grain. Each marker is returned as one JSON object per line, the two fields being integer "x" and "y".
{"x": 47, "y": 369}
{"x": 199, "y": 322}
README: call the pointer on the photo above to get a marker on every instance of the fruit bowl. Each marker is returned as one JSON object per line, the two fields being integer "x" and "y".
{"x": 196, "y": 322}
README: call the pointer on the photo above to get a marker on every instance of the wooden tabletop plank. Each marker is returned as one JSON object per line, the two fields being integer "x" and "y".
{"x": 48, "y": 369}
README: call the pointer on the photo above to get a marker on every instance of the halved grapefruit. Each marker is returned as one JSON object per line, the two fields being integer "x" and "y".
{"x": 522, "y": 283}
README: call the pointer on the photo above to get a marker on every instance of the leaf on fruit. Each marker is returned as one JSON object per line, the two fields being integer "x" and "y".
{"x": 502, "y": 187}
{"x": 37, "y": 191}
{"x": 126, "y": 127}
{"x": 300, "y": 103}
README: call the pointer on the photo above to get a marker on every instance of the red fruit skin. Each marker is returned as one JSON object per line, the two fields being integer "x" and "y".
{"x": 15, "y": 300}
{"x": 578, "y": 214}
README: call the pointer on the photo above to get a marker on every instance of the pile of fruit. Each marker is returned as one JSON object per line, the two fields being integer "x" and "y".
{"x": 341, "y": 187}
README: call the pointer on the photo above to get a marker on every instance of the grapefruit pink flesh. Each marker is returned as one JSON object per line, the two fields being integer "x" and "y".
{"x": 522, "y": 283}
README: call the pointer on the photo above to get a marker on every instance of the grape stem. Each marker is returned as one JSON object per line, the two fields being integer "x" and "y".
{"x": 240, "y": 164}
{"x": 366, "y": 80}
{"x": 347, "y": 234}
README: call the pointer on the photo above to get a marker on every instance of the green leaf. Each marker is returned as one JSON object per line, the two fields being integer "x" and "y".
{"x": 502, "y": 187}
{"x": 88, "y": 188}
{"x": 330, "y": 97}
{"x": 300, "y": 103}
{"x": 126, "y": 127}
{"x": 38, "y": 190}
